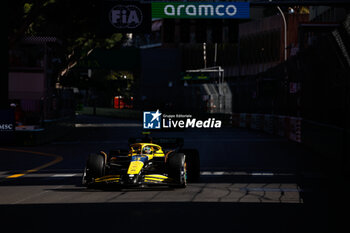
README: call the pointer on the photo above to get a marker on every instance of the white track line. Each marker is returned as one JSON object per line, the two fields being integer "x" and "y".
{"x": 64, "y": 175}
{"x": 241, "y": 173}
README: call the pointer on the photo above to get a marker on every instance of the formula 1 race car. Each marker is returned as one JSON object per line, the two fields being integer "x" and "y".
{"x": 144, "y": 163}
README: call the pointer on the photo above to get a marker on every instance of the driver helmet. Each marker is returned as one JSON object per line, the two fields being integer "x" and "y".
{"x": 147, "y": 150}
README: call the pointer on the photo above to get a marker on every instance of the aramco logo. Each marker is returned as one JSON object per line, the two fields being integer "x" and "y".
{"x": 200, "y": 9}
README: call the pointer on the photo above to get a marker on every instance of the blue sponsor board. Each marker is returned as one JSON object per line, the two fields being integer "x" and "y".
{"x": 7, "y": 126}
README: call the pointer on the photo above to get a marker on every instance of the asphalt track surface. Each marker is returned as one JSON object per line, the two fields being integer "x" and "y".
{"x": 250, "y": 182}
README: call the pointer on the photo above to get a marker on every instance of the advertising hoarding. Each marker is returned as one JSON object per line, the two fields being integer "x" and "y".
{"x": 220, "y": 10}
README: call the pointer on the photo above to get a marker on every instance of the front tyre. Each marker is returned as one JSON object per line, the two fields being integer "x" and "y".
{"x": 177, "y": 170}
{"x": 95, "y": 168}
{"x": 85, "y": 180}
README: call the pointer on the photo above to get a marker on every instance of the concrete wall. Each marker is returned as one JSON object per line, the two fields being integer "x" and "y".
{"x": 329, "y": 142}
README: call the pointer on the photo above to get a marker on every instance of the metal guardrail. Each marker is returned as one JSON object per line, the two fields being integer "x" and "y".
{"x": 285, "y": 126}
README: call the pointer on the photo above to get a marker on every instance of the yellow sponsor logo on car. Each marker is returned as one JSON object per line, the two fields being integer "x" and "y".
{"x": 135, "y": 167}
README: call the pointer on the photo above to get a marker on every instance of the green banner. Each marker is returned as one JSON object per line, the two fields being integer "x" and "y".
{"x": 238, "y": 10}
{"x": 195, "y": 77}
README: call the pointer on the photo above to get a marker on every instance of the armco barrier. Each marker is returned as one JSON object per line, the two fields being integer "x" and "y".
{"x": 284, "y": 126}
{"x": 245, "y": 120}
{"x": 242, "y": 120}
{"x": 256, "y": 121}
{"x": 268, "y": 123}
{"x": 248, "y": 119}
{"x": 295, "y": 129}
{"x": 235, "y": 119}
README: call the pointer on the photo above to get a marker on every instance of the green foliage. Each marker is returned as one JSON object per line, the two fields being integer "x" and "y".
{"x": 27, "y": 7}
{"x": 74, "y": 22}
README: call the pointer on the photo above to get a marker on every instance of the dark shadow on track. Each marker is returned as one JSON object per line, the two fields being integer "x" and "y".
{"x": 163, "y": 217}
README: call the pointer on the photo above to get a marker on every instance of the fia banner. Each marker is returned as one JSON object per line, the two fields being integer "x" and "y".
{"x": 125, "y": 17}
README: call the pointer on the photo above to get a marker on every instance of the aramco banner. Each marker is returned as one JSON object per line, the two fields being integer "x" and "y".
{"x": 223, "y": 10}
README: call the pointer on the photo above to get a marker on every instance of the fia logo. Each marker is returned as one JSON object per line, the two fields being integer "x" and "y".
{"x": 151, "y": 120}
{"x": 128, "y": 16}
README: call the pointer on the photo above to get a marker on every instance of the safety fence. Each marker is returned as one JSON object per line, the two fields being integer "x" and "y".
{"x": 285, "y": 126}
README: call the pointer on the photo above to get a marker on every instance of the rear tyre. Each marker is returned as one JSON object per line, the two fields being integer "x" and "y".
{"x": 177, "y": 170}
{"x": 193, "y": 164}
